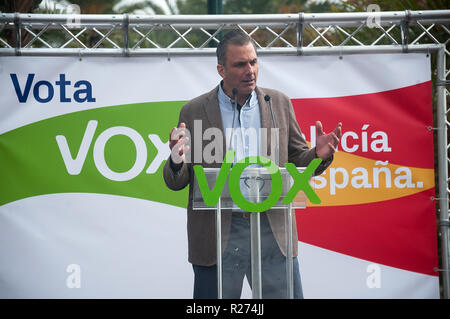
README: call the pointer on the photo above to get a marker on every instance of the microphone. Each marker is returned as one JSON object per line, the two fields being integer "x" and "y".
{"x": 267, "y": 99}
{"x": 277, "y": 147}
{"x": 235, "y": 92}
{"x": 236, "y": 105}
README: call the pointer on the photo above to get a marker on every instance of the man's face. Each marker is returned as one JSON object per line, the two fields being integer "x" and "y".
{"x": 240, "y": 70}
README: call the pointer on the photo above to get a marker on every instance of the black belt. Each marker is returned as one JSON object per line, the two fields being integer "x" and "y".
{"x": 245, "y": 215}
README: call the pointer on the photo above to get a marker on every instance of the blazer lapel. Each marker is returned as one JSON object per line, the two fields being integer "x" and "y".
{"x": 213, "y": 114}
{"x": 266, "y": 116}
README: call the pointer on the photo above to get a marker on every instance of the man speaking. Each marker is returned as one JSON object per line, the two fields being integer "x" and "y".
{"x": 235, "y": 105}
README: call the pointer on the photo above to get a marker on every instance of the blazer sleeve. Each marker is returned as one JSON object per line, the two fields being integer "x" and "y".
{"x": 299, "y": 152}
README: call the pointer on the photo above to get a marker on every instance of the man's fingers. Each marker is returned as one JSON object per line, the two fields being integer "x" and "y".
{"x": 332, "y": 147}
{"x": 179, "y": 150}
{"x": 176, "y": 134}
{"x": 319, "y": 128}
{"x": 338, "y": 130}
{"x": 185, "y": 149}
{"x": 177, "y": 130}
{"x": 326, "y": 144}
{"x": 172, "y": 141}
{"x": 181, "y": 145}
{"x": 172, "y": 131}
{"x": 334, "y": 138}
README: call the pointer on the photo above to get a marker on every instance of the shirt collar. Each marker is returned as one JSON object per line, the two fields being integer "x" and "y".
{"x": 228, "y": 103}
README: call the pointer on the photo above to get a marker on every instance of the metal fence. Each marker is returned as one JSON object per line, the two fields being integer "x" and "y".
{"x": 290, "y": 34}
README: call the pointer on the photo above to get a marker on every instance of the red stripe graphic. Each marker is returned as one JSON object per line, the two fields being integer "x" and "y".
{"x": 400, "y": 233}
{"x": 391, "y": 127}
{"x": 403, "y": 114}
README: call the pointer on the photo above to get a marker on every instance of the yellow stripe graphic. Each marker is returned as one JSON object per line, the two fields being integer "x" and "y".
{"x": 353, "y": 179}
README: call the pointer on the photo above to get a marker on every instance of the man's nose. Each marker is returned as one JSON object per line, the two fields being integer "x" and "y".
{"x": 249, "y": 68}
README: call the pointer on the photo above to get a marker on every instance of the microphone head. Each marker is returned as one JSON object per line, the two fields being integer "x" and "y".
{"x": 234, "y": 91}
{"x": 267, "y": 98}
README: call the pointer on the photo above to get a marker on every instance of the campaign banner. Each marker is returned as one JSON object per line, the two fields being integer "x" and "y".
{"x": 85, "y": 213}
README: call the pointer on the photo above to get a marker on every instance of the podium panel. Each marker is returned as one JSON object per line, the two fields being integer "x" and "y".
{"x": 259, "y": 245}
{"x": 256, "y": 186}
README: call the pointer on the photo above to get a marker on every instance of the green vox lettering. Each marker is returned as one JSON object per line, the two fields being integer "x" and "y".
{"x": 211, "y": 196}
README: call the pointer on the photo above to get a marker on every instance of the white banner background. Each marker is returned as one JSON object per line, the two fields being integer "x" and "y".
{"x": 82, "y": 245}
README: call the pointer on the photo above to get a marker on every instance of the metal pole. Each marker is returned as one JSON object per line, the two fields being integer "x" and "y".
{"x": 319, "y": 19}
{"x": 125, "y": 34}
{"x": 443, "y": 170}
{"x": 18, "y": 34}
{"x": 420, "y": 48}
{"x": 255, "y": 244}
{"x": 255, "y": 240}
{"x": 290, "y": 266}
{"x": 214, "y": 7}
{"x": 219, "y": 248}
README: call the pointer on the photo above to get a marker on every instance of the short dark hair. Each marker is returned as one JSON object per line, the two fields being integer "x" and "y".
{"x": 235, "y": 37}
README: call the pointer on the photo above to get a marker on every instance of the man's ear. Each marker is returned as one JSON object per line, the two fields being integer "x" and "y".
{"x": 221, "y": 70}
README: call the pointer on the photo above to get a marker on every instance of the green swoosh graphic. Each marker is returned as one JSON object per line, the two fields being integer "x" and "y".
{"x": 31, "y": 163}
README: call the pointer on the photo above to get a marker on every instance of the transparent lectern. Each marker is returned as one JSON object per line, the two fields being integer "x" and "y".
{"x": 258, "y": 246}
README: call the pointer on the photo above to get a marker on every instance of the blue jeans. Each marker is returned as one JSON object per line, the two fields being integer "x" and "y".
{"x": 236, "y": 265}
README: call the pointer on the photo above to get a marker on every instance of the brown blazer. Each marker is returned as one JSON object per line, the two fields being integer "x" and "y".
{"x": 292, "y": 148}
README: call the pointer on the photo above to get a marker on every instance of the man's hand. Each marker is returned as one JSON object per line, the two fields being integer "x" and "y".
{"x": 178, "y": 145}
{"x": 326, "y": 144}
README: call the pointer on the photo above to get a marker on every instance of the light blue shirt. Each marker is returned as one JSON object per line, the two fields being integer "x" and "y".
{"x": 246, "y": 140}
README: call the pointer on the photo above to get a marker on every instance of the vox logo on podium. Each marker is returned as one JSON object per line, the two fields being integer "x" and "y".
{"x": 211, "y": 196}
